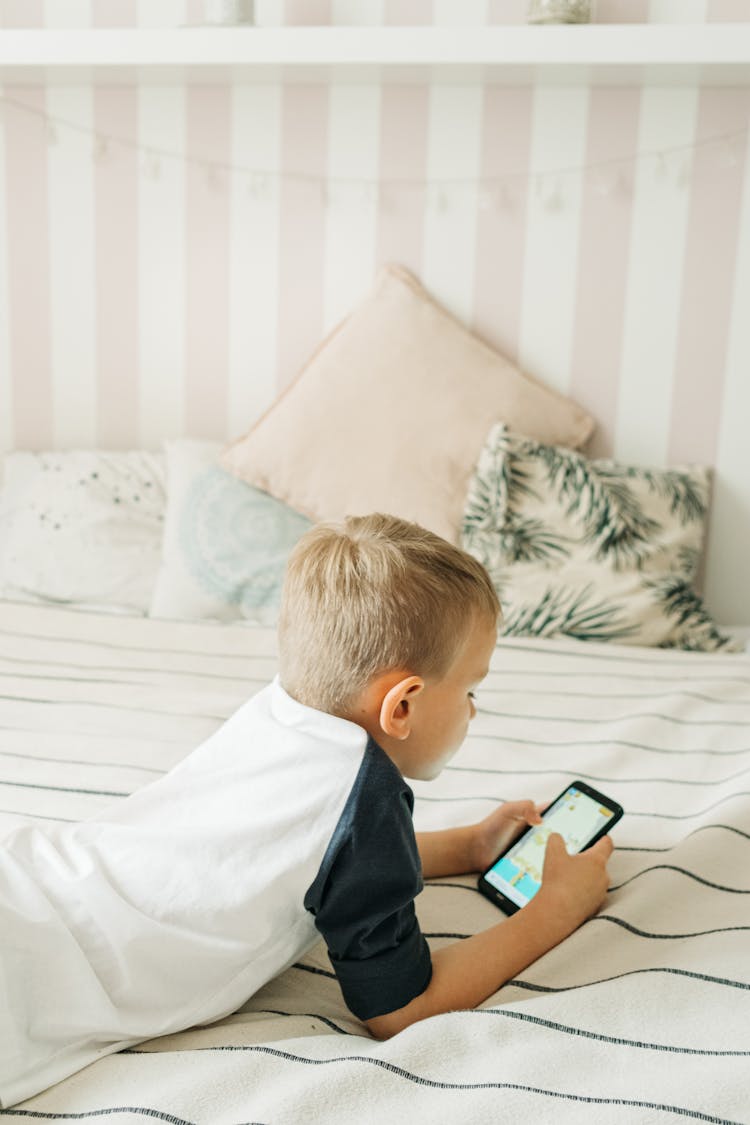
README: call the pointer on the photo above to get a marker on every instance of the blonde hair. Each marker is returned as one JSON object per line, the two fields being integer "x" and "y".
{"x": 369, "y": 595}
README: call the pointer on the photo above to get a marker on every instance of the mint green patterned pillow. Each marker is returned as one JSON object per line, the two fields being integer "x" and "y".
{"x": 590, "y": 549}
{"x": 226, "y": 543}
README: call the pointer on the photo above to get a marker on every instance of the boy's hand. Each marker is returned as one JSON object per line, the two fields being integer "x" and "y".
{"x": 573, "y": 886}
{"x": 469, "y": 971}
{"x": 498, "y": 830}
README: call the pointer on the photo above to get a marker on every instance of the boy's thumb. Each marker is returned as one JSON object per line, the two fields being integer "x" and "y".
{"x": 604, "y": 846}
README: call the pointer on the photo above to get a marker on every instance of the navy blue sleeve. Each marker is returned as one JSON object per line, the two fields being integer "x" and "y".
{"x": 363, "y": 895}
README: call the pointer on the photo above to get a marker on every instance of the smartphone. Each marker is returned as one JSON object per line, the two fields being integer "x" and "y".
{"x": 580, "y": 814}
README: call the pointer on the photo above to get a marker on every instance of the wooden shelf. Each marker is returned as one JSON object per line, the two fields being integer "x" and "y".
{"x": 628, "y": 54}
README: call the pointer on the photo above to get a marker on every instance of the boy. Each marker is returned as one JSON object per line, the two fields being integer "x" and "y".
{"x": 293, "y": 819}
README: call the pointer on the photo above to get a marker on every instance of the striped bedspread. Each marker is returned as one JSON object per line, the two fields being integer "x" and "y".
{"x": 643, "y": 1015}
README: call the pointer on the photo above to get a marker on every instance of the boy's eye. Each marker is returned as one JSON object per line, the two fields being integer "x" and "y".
{"x": 472, "y": 695}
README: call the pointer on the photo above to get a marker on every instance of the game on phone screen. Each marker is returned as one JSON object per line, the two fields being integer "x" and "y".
{"x": 576, "y": 816}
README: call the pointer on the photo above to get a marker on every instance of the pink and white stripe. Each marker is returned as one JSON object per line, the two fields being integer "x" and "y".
{"x": 27, "y": 264}
{"x": 708, "y": 280}
{"x": 207, "y": 240}
{"x": 501, "y": 223}
{"x": 116, "y": 239}
{"x": 305, "y": 13}
{"x": 606, "y": 216}
{"x": 304, "y": 132}
{"x": 404, "y": 117}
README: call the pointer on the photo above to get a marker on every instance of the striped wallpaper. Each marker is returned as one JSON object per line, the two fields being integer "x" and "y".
{"x": 415, "y": 13}
{"x": 146, "y": 295}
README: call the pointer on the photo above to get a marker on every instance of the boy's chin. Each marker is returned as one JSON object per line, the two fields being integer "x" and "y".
{"x": 427, "y": 773}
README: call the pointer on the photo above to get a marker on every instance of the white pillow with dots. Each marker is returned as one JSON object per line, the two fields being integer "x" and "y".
{"x": 82, "y": 527}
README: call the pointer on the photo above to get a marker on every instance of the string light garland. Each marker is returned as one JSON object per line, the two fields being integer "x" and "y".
{"x": 610, "y": 176}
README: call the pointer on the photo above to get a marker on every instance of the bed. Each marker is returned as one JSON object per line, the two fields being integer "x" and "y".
{"x": 643, "y": 1015}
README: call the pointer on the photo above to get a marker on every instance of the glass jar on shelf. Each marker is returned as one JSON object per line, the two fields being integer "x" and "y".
{"x": 229, "y": 13}
{"x": 559, "y": 11}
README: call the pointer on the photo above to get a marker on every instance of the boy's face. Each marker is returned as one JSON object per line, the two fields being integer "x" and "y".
{"x": 442, "y": 711}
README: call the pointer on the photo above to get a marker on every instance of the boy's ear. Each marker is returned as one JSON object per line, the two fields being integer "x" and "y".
{"x": 396, "y": 710}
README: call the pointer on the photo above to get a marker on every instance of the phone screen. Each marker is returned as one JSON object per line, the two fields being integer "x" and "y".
{"x": 576, "y": 815}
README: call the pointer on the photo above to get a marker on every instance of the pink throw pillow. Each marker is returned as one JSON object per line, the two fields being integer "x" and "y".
{"x": 391, "y": 412}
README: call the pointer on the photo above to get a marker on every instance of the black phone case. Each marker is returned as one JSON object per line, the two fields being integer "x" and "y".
{"x": 506, "y": 904}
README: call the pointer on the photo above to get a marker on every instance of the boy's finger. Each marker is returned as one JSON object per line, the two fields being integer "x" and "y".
{"x": 518, "y": 810}
{"x": 532, "y": 814}
{"x": 526, "y": 811}
{"x": 604, "y": 847}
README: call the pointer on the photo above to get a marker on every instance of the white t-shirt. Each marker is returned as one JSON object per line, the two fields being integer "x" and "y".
{"x": 174, "y": 906}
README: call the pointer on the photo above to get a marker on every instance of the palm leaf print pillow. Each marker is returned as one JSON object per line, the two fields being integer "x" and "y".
{"x": 590, "y": 549}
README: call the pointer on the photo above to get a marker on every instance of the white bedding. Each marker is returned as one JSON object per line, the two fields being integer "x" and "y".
{"x": 641, "y": 1016}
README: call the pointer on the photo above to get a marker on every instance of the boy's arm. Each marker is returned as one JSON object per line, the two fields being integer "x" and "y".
{"x": 458, "y": 851}
{"x": 467, "y": 972}
{"x": 449, "y": 852}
